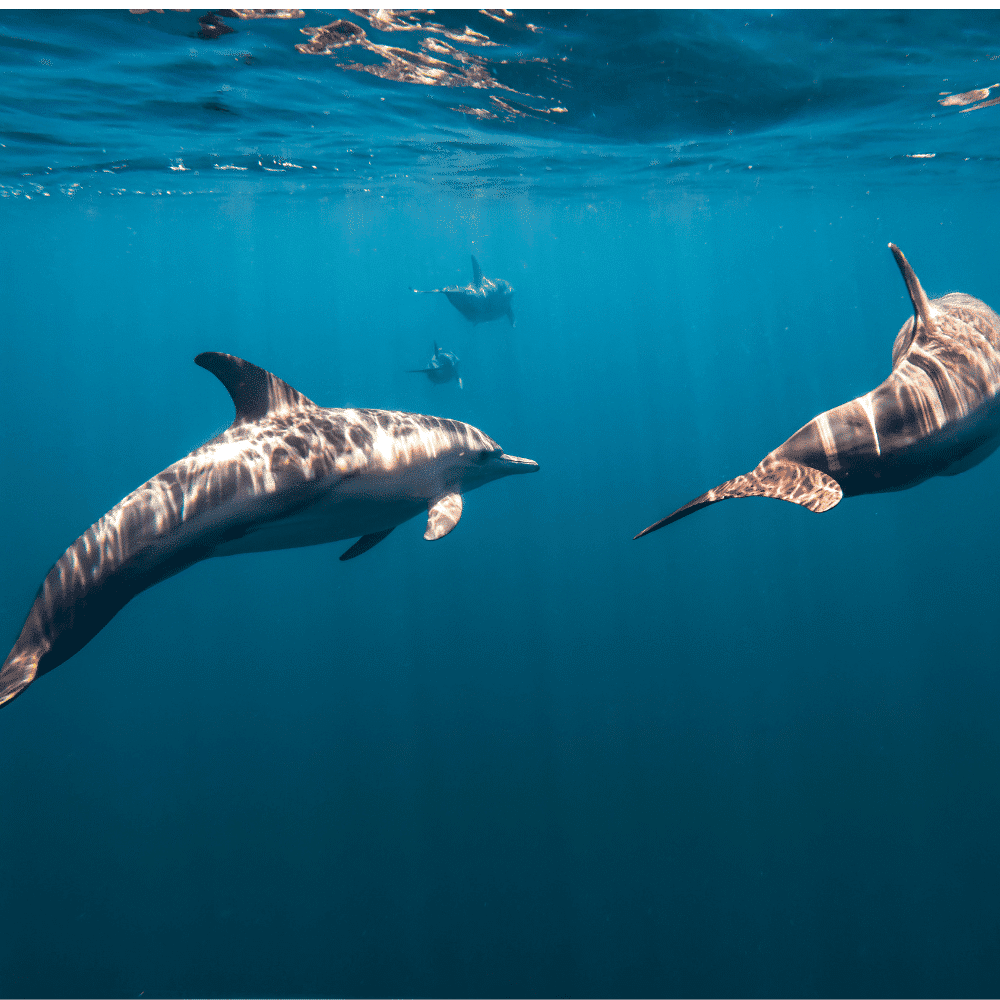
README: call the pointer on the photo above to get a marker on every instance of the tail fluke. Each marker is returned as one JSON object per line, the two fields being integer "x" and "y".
{"x": 18, "y": 672}
{"x": 776, "y": 478}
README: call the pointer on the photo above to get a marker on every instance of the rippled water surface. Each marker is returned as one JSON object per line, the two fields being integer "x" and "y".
{"x": 754, "y": 754}
{"x": 490, "y": 100}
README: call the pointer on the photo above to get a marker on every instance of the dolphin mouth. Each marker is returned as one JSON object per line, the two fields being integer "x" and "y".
{"x": 513, "y": 464}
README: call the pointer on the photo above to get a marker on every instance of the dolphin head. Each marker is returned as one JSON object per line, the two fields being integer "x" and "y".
{"x": 466, "y": 458}
{"x": 477, "y": 467}
{"x": 469, "y": 460}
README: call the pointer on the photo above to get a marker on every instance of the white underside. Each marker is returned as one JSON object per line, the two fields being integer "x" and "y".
{"x": 347, "y": 509}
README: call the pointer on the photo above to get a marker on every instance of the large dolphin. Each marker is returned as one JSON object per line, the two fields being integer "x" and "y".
{"x": 936, "y": 415}
{"x": 484, "y": 300}
{"x": 287, "y": 473}
{"x": 443, "y": 367}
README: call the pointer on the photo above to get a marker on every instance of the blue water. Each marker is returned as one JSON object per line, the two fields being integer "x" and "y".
{"x": 754, "y": 754}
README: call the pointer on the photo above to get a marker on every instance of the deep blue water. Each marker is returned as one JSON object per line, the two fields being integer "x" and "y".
{"x": 754, "y": 754}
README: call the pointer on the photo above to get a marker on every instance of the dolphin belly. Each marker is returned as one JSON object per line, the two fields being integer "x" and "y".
{"x": 973, "y": 458}
{"x": 366, "y": 503}
{"x": 330, "y": 519}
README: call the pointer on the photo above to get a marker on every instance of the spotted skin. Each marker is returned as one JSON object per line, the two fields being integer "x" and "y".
{"x": 937, "y": 414}
{"x": 287, "y": 473}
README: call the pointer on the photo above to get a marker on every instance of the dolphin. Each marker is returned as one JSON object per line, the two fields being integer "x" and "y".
{"x": 484, "y": 300}
{"x": 286, "y": 473}
{"x": 935, "y": 415}
{"x": 443, "y": 367}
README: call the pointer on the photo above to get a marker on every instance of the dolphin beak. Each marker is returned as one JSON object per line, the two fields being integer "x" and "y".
{"x": 514, "y": 465}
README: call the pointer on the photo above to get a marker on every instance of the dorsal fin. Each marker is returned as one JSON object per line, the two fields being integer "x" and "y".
{"x": 477, "y": 273}
{"x": 255, "y": 392}
{"x": 921, "y": 305}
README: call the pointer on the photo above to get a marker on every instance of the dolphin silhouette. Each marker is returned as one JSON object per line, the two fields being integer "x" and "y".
{"x": 286, "y": 473}
{"x": 935, "y": 415}
{"x": 443, "y": 367}
{"x": 484, "y": 300}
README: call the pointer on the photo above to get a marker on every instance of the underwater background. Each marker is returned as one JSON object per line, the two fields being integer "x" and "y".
{"x": 754, "y": 754}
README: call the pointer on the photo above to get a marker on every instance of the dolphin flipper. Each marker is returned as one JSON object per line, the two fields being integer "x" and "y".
{"x": 364, "y": 543}
{"x": 443, "y": 515}
{"x": 477, "y": 273}
{"x": 779, "y": 478}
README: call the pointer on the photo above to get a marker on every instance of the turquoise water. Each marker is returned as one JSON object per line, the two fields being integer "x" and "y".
{"x": 754, "y": 754}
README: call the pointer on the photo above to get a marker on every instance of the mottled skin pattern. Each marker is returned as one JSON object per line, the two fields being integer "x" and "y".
{"x": 443, "y": 367}
{"x": 286, "y": 473}
{"x": 483, "y": 300}
{"x": 937, "y": 414}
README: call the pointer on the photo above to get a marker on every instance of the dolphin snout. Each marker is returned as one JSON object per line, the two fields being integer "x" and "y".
{"x": 513, "y": 464}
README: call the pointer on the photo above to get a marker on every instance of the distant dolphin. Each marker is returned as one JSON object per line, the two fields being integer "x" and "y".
{"x": 443, "y": 367}
{"x": 935, "y": 415}
{"x": 287, "y": 473}
{"x": 484, "y": 300}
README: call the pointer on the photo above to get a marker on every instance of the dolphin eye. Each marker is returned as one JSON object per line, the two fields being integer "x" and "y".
{"x": 483, "y": 456}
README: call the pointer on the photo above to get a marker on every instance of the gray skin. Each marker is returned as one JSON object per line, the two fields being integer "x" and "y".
{"x": 483, "y": 300}
{"x": 937, "y": 414}
{"x": 443, "y": 367}
{"x": 287, "y": 473}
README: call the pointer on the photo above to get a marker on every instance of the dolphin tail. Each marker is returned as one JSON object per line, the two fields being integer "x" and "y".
{"x": 18, "y": 672}
{"x": 776, "y": 478}
{"x": 427, "y": 291}
{"x": 510, "y": 316}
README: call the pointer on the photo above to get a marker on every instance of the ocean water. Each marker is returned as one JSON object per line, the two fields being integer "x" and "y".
{"x": 754, "y": 754}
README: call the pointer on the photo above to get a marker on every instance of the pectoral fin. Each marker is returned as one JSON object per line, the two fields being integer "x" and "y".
{"x": 364, "y": 543}
{"x": 443, "y": 515}
{"x": 776, "y": 478}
